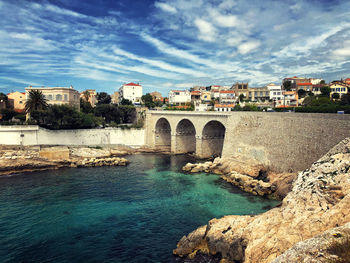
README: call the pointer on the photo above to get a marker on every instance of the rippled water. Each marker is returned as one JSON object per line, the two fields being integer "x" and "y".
{"x": 112, "y": 214}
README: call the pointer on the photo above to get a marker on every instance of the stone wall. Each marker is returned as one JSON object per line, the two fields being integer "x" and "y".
{"x": 34, "y": 135}
{"x": 284, "y": 141}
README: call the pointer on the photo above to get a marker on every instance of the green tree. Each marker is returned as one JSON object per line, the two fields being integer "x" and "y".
{"x": 241, "y": 97}
{"x": 85, "y": 106}
{"x": 335, "y": 96}
{"x": 127, "y": 114}
{"x": 7, "y": 114}
{"x": 109, "y": 112}
{"x": 287, "y": 85}
{"x": 322, "y": 82}
{"x": 345, "y": 99}
{"x": 325, "y": 91}
{"x": 86, "y": 95}
{"x": 125, "y": 102}
{"x": 35, "y": 101}
{"x": 148, "y": 100}
{"x": 103, "y": 98}
{"x": 301, "y": 93}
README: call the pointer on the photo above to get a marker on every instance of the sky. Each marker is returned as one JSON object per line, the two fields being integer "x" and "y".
{"x": 170, "y": 44}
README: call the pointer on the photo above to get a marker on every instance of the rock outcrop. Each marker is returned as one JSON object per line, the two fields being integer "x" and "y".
{"x": 319, "y": 200}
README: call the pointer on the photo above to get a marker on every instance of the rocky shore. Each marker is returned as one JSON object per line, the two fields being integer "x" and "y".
{"x": 15, "y": 159}
{"x": 318, "y": 201}
{"x": 247, "y": 175}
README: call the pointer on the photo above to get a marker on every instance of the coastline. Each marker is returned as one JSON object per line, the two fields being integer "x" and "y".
{"x": 318, "y": 201}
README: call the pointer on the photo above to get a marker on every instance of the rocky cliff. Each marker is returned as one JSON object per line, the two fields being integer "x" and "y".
{"x": 318, "y": 201}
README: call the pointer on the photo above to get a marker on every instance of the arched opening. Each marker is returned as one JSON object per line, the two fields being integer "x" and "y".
{"x": 163, "y": 135}
{"x": 213, "y": 139}
{"x": 185, "y": 137}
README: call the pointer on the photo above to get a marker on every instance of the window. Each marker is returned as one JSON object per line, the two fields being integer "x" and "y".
{"x": 58, "y": 97}
{"x": 20, "y": 102}
{"x": 65, "y": 97}
{"x": 50, "y": 97}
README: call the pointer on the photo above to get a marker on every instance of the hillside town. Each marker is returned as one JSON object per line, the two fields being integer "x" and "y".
{"x": 294, "y": 93}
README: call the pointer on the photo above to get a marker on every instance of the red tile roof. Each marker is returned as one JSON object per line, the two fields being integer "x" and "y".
{"x": 224, "y": 105}
{"x": 305, "y": 84}
{"x": 132, "y": 84}
{"x": 195, "y": 92}
{"x": 228, "y": 91}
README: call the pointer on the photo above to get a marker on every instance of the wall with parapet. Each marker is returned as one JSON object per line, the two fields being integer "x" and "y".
{"x": 283, "y": 141}
{"x": 34, "y": 135}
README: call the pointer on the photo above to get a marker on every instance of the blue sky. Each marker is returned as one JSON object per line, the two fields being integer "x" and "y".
{"x": 173, "y": 44}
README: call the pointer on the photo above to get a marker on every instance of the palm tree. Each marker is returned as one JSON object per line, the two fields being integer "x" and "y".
{"x": 35, "y": 101}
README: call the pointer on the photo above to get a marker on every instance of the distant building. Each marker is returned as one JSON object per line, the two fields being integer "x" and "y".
{"x": 205, "y": 96}
{"x": 227, "y": 97}
{"x": 195, "y": 96}
{"x": 294, "y": 81}
{"x": 347, "y": 81}
{"x": 157, "y": 96}
{"x": 131, "y": 92}
{"x": 315, "y": 81}
{"x": 307, "y": 86}
{"x": 91, "y": 98}
{"x": 58, "y": 95}
{"x": 275, "y": 92}
{"x": 17, "y": 100}
{"x": 340, "y": 88}
{"x": 258, "y": 94}
{"x": 179, "y": 97}
{"x": 241, "y": 88}
{"x": 115, "y": 97}
{"x": 290, "y": 99}
{"x": 201, "y": 106}
{"x": 224, "y": 107}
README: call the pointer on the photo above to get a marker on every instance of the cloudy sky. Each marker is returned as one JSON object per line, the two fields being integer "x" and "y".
{"x": 170, "y": 44}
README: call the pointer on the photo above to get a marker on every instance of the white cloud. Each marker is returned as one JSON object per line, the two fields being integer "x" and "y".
{"x": 223, "y": 20}
{"x": 249, "y": 46}
{"x": 184, "y": 85}
{"x": 21, "y": 81}
{"x": 227, "y": 4}
{"x": 206, "y": 29}
{"x": 165, "y": 7}
{"x": 343, "y": 52}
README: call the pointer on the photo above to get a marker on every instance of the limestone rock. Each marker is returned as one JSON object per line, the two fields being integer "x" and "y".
{"x": 319, "y": 200}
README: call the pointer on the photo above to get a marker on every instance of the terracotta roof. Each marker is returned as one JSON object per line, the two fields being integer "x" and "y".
{"x": 224, "y": 105}
{"x": 131, "y": 84}
{"x": 195, "y": 92}
{"x": 215, "y": 90}
{"x": 305, "y": 84}
{"x": 227, "y": 91}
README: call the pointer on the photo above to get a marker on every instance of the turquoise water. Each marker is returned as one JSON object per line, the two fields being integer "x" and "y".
{"x": 112, "y": 214}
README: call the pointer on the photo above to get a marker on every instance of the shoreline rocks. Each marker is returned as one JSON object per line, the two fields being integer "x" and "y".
{"x": 319, "y": 201}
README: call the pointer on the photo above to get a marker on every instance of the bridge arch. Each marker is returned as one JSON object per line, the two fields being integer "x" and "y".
{"x": 185, "y": 137}
{"x": 213, "y": 136}
{"x": 163, "y": 134}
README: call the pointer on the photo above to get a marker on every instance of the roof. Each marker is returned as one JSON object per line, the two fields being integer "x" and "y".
{"x": 224, "y": 105}
{"x": 194, "y": 92}
{"x": 178, "y": 90}
{"x": 131, "y": 84}
{"x": 305, "y": 84}
{"x": 227, "y": 91}
{"x": 290, "y": 92}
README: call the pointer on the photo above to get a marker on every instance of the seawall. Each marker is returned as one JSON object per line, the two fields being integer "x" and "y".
{"x": 35, "y": 135}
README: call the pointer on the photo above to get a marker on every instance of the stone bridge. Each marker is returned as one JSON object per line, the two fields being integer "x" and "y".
{"x": 281, "y": 141}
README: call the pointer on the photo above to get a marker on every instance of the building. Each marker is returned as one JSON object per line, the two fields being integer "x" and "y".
{"x": 294, "y": 81}
{"x": 131, "y": 92}
{"x": 215, "y": 94}
{"x": 347, "y": 81}
{"x": 315, "y": 81}
{"x": 258, "y": 94}
{"x": 157, "y": 96}
{"x": 241, "y": 88}
{"x": 224, "y": 107}
{"x": 58, "y": 95}
{"x": 340, "y": 88}
{"x": 275, "y": 92}
{"x": 115, "y": 97}
{"x": 179, "y": 97}
{"x": 17, "y": 100}
{"x": 195, "y": 96}
{"x": 198, "y": 106}
{"x": 289, "y": 99}
{"x": 206, "y": 96}
{"x": 307, "y": 86}
{"x": 91, "y": 93}
{"x": 227, "y": 97}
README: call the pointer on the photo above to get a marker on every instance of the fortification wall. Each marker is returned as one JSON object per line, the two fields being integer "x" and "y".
{"x": 284, "y": 141}
{"x": 34, "y": 135}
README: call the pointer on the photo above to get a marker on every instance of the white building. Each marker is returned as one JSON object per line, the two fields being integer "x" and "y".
{"x": 132, "y": 92}
{"x": 227, "y": 96}
{"x": 315, "y": 81}
{"x": 179, "y": 97}
{"x": 275, "y": 92}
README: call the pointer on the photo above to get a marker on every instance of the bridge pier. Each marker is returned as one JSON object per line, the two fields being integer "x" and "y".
{"x": 199, "y": 142}
{"x": 173, "y": 142}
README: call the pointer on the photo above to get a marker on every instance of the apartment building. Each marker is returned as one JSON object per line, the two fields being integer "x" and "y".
{"x": 132, "y": 92}
{"x": 17, "y": 100}
{"x": 227, "y": 97}
{"x": 258, "y": 94}
{"x": 91, "y": 96}
{"x": 58, "y": 95}
{"x": 179, "y": 97}
{"x": 275, "y": 92}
